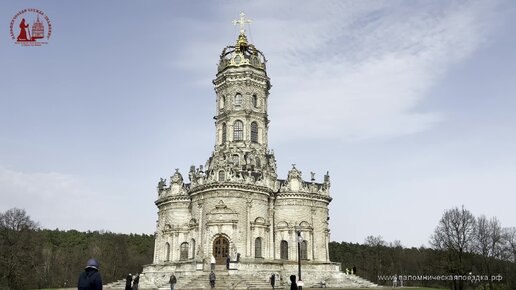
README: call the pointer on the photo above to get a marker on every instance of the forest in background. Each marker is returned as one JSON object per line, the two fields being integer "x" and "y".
{"x": 387, "y": 260}
{"x": 40, "y": 258}
{"x": 467, "y": 252}
{"x": 32, "y": 258}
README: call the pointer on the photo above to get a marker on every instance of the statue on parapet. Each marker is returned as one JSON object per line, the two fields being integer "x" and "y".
{"x": 162, "y": 182}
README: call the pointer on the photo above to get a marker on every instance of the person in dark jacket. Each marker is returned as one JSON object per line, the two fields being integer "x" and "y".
{"x": 128, "y": 281}
{"x": 293, "y": 284}
{"x": 172, "y": 281}
{"x": 90, "y": 279}
{"x": 228, "y": 260}
{"x": 212, "y": 279}
{"x": 273, "y": 280}
{"x": 136, "y": 281}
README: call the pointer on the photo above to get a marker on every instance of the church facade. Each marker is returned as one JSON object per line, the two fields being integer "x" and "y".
{"x": 236, "y": 206}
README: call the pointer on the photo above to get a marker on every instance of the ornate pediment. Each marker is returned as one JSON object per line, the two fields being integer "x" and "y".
{"x": 176, "y": 187}
{"x": 295, "y": 184}
{"x": 222, "y": 214}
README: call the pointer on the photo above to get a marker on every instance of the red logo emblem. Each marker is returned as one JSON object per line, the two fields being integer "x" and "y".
{"x": 30, "y": 27}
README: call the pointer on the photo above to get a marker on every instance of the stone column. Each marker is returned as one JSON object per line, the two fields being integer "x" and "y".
{"x": 248, "y": 227}
{"x": 292, "y": 246}
{"x": 200, "y": 229}
{"x": 171, "y": 243}
{"x": 326, "y": 245}
{"x": 312, "y": 239}
{"x": 271, "y": 229}
{"x": 156, "y": 249}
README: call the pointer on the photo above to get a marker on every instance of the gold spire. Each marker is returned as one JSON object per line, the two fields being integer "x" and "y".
{"x": 242, "y": 43}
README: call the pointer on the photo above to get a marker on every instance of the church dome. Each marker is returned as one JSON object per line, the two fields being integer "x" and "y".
{"x": 241, "y": 54}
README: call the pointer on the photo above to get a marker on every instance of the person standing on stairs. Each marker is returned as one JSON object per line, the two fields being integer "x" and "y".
{"x": 212, "y": 280}
{"x": 293, "y": 284}
{"x": 128, "y": 281}
{"x": 136, "y": 281}
{"x": 172, "y": 281}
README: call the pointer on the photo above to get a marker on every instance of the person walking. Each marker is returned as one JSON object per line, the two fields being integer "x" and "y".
{"x": 172, "y": 281}
{"x": 293, "y": 284}
{"x": 136, "y": 281}
{"x": 90, "y": 279}
{"x": 273, "y": 280}
{"x": 212, "y": 280}
{"x": 128, "y": 281}
{"x": 228, "y": 260}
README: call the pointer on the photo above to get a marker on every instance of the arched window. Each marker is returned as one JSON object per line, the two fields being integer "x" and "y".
{"x": 167, "y": 251}
{"x": 183, "y": 255}
{"x": 238, "y": 131}
{"x": 284, "y": 250}
{"x": 254, "y": 132}
{"x": 258, "y": 248}
{"x": 238, "y": 100}
{"x": 222, "y": 176}
{"x": 303, "y": 254}
{"x": 224, "y": 129}
{"x": 255, "y": 101}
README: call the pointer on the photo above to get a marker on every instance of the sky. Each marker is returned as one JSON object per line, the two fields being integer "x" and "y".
{"x": 408, "y": 104}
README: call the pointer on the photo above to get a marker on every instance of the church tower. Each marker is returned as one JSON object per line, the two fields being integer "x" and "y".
{"x": 242, "y": 90}
{"x": 234, "y": 209}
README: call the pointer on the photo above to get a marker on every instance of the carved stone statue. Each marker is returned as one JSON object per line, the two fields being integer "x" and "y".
{"x": 162, "y": 182}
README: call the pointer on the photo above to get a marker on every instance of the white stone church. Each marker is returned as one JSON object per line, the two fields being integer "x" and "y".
{"x": 236, "y": 206}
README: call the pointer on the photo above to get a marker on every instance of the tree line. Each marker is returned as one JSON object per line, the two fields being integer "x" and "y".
{"x": 31, "y": 257}
{"x": 466, "y": 252}
{"x": 462, "y": 245}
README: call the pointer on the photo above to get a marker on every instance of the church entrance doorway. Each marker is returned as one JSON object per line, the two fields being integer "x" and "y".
{"x": 220, "y": 250}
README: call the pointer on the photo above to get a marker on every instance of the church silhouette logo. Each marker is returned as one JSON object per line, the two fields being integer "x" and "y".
{"x": 31, "y": 27}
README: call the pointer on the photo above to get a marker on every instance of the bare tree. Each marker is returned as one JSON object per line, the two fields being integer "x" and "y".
{"x": 509, "y": 235}
{"x": 455, "y": 235}
{"x": 488, "y": 242}
{"x": 16, "y": 243}
{"x": 375, "y": 262}
{"x": 374, "y": 241}
{"x": 17, "y": 220}
{"x": 396, "y": 244}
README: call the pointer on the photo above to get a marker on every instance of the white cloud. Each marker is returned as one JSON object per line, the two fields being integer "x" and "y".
{"x": 53, "y": 199}
{"x": 362, "y": 71}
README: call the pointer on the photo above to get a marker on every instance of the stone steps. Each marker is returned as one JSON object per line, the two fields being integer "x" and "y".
{"x": 224, "y": 280}
{"x": 234, "y": 279}
{"x": 349, "y": 280}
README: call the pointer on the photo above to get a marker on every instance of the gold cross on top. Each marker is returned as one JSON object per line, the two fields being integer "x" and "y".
{"x": 242, "y": 21}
